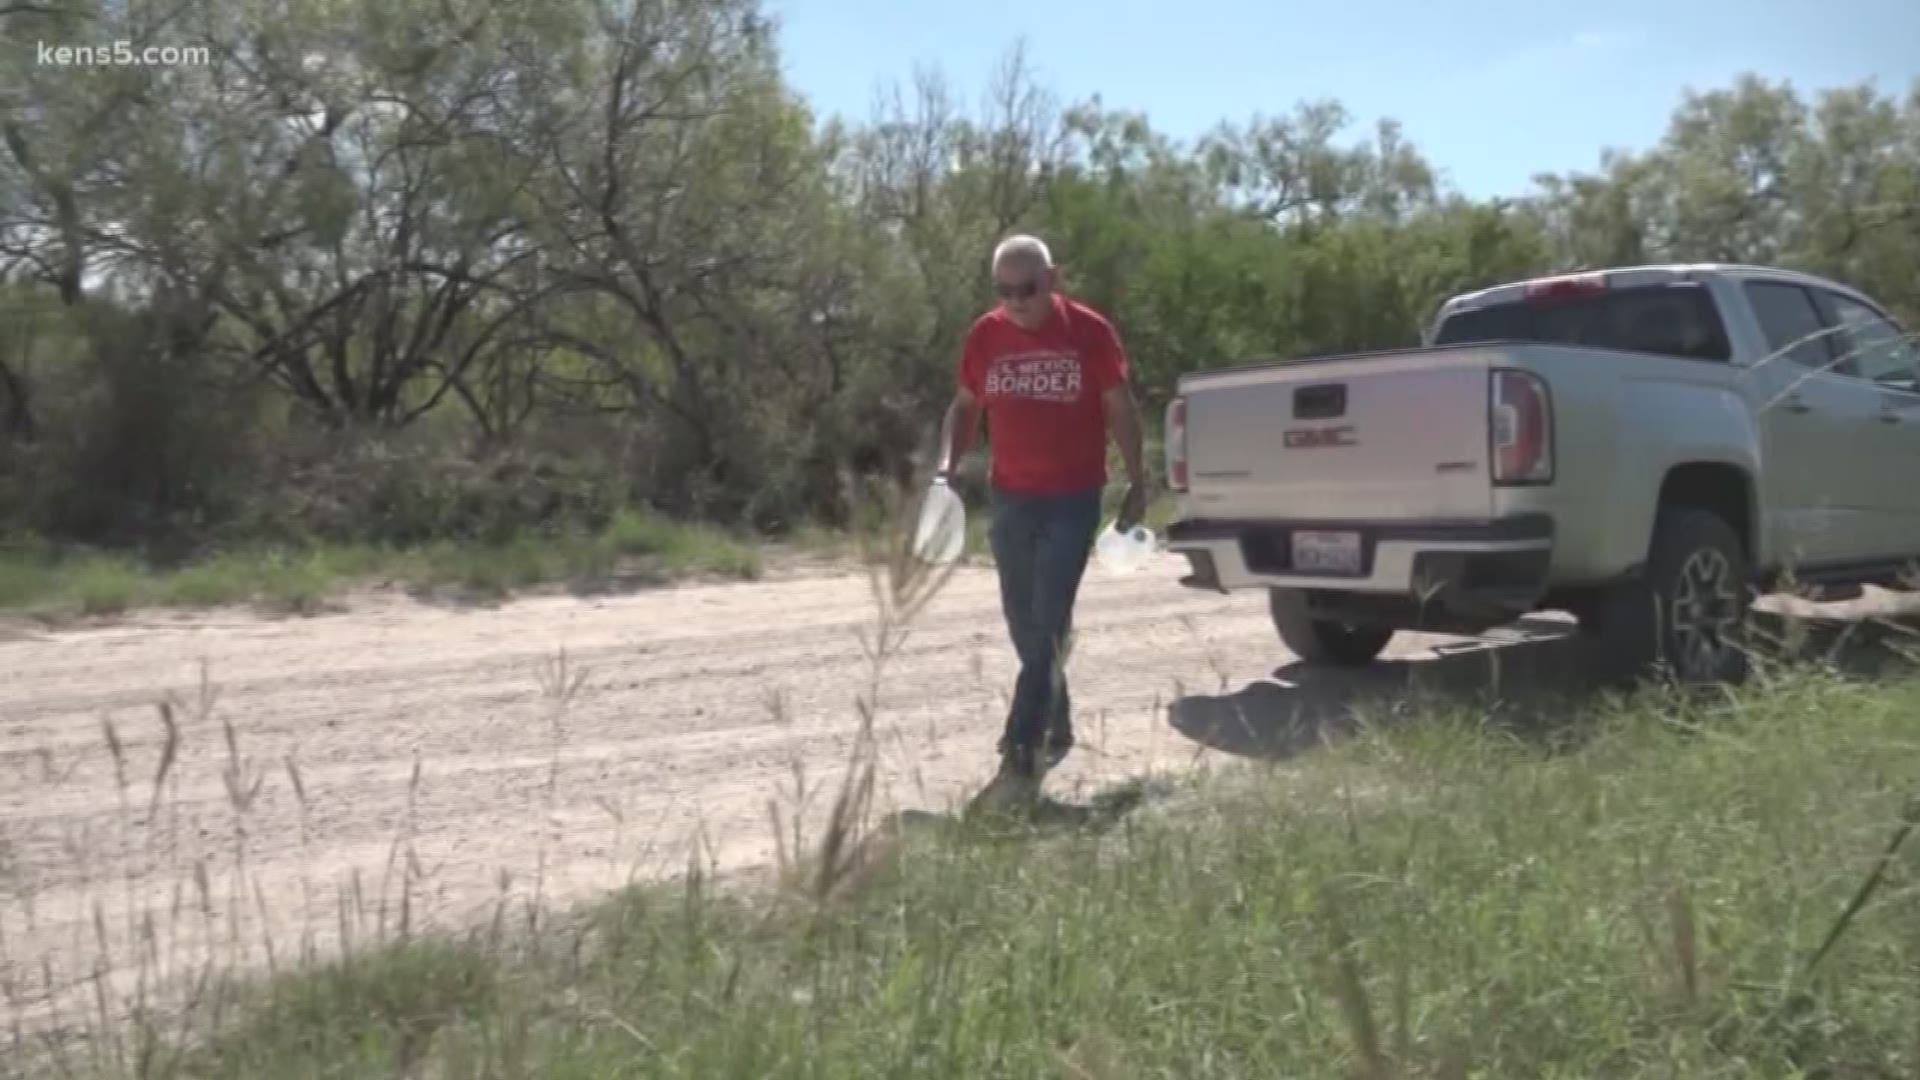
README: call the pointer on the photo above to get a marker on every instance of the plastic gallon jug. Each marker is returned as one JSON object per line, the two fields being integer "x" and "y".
{"x": 942, "y": 532}
{"x": 1120, "y": 551}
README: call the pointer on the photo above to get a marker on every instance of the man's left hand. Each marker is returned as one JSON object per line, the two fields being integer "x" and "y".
{"x": 1133, "y": 508}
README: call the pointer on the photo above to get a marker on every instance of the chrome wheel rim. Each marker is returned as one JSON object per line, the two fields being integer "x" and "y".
{"x": 1704, "y": 614}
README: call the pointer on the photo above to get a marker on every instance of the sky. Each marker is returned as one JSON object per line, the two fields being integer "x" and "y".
{"x": 1491, "y": 91}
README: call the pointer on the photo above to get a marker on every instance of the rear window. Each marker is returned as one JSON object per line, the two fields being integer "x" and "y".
{"x": 1668, "y": 320}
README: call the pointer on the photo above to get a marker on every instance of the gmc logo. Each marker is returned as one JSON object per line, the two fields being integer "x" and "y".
{"x": 1318, "y": 438}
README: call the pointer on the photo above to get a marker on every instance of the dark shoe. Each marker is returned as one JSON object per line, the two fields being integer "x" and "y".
{"x": 1055, "y": 750}
{"x": 1015, "y": 787}
{"x": 1058, "y": 741}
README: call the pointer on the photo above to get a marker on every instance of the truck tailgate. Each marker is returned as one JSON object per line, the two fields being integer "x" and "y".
{"x": 1388, "y": 437}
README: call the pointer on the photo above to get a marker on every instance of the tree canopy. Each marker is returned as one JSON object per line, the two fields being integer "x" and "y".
{"x": 402, "y": 268}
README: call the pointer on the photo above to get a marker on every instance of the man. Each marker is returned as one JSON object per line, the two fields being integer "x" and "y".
{"x": 1050, "y": 376}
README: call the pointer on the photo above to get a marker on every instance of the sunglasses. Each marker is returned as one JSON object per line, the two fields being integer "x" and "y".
{"x": 1020, "y": 291}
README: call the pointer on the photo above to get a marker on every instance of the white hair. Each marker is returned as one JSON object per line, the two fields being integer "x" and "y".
{"x": 1023, "y": 249}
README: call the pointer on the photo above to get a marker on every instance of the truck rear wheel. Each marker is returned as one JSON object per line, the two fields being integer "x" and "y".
{"x": 1686, "y": 614}
{"x": 1323, "y": 641}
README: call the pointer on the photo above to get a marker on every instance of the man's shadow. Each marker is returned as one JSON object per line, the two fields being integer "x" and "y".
{"x": 1538, "y": 673}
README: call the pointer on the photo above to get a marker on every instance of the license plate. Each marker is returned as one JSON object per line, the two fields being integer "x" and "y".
{"x": 1326, "y": 552}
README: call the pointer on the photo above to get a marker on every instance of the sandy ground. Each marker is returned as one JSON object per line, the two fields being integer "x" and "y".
{"x": 332, "y": 764}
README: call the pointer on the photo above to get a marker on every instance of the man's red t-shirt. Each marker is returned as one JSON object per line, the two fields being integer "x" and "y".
{"x": 1042, "y": 393}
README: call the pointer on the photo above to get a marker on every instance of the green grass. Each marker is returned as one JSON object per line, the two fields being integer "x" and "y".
{"x": 634, "y": 546}
{"x": 296, "y": 580}
{"x": 104, "y": 585}
{"x": 1450, "y": 897}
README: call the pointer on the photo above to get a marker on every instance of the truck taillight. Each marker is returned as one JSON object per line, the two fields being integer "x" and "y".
{"x": 1177, "y": 444}
{"x": 1522, "y": 435}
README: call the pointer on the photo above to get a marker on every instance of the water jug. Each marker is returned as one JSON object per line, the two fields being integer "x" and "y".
{"x": 1124, "y": 551}
{"x": 942, "y": 532}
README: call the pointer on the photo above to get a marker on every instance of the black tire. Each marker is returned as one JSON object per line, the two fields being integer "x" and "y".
{"x": 1322, "y": 641}
{"x": 1685, "y": 617}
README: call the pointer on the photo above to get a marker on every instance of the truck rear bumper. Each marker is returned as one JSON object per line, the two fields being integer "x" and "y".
{"x": 1478, "y": 570}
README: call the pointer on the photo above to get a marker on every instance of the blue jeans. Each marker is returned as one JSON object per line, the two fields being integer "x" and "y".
{"x": 1040, "y": 545}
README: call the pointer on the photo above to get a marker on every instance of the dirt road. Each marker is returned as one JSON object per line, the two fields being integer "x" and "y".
{"x": 340, "y": 756}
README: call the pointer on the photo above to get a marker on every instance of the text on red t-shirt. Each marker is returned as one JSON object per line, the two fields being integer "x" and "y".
{"x": 1042, "y": 393}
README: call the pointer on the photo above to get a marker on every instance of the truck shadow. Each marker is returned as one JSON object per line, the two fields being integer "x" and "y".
{"x": 1537, "y": 676}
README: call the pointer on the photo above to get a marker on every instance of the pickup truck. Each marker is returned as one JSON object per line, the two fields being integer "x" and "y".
{"x": 1648, "y": 448}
